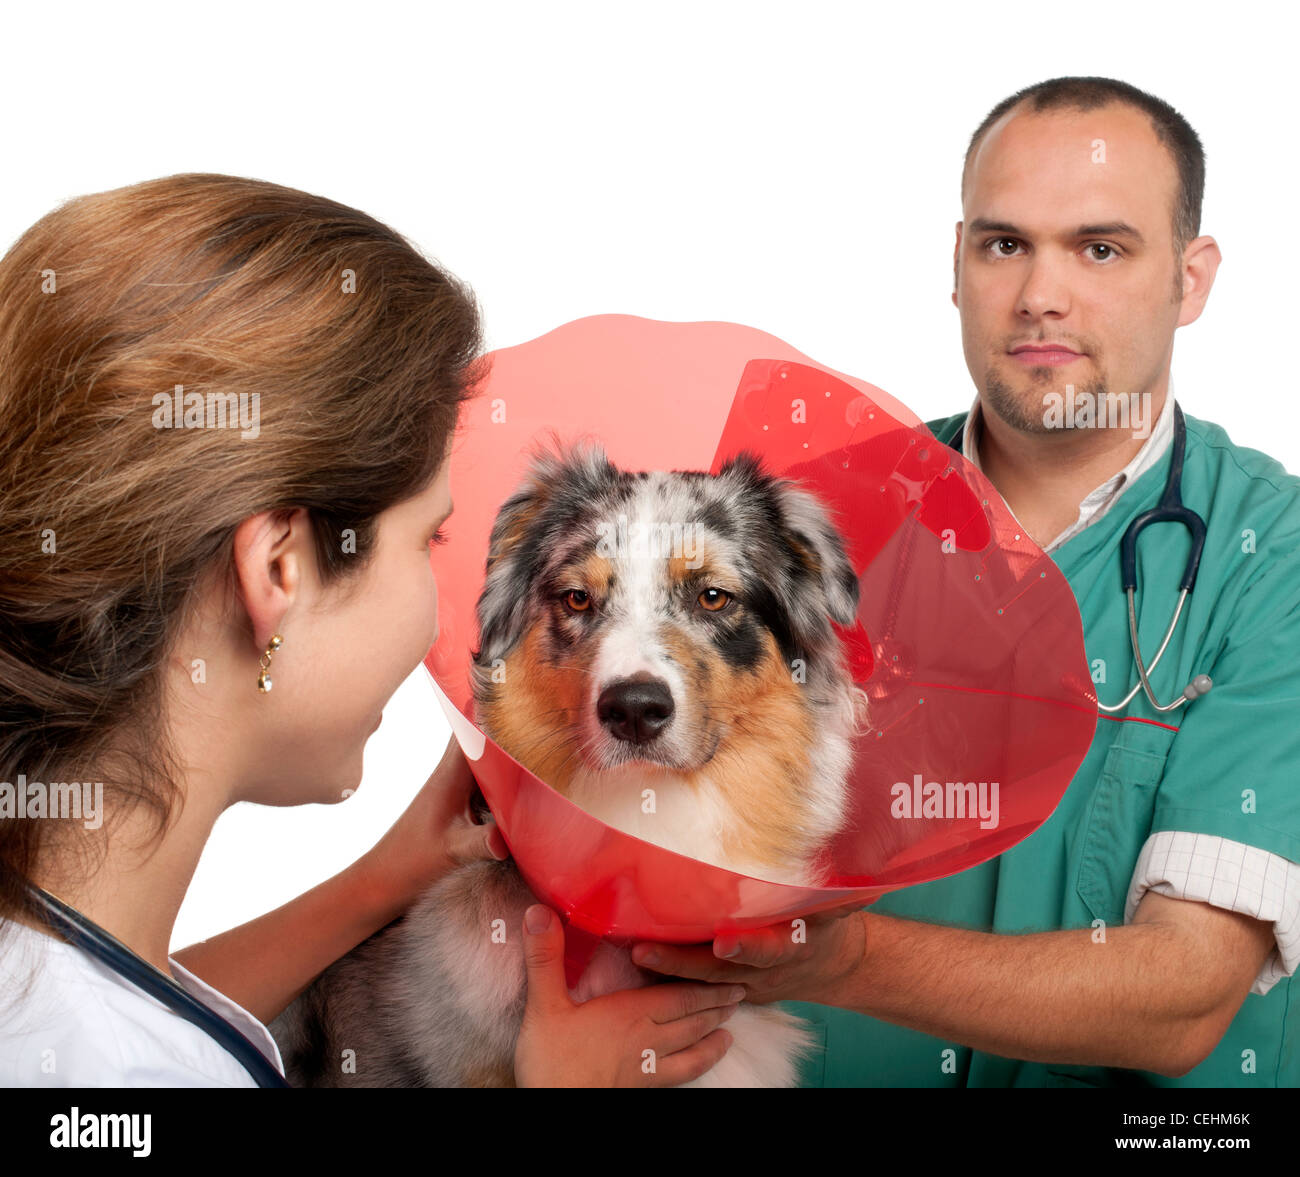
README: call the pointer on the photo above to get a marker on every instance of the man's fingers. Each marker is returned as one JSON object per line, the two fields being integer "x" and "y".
{"x": 693, "y": 961}
{"x": 844, "y": 909}
{"x": 760, "y": 948}
{"x": 765, "y": 947}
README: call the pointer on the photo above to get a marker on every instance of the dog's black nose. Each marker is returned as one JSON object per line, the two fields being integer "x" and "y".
{"x": 635, "y": 710}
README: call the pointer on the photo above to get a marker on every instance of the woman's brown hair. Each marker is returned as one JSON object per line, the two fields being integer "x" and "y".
{"x": 359, "y": 352}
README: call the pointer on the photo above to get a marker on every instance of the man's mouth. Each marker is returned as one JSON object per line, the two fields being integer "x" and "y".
{"x": 1049, "y": 355}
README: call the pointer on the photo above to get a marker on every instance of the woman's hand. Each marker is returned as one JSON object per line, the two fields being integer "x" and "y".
{"x": 604, "y": 1042}
{"x": 772, "y": 963}
{"x": 435, "y": 834}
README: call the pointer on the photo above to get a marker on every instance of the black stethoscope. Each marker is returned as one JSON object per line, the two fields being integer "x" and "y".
{"x": 111, "y": 952}
{"x": 1170, "y": 509}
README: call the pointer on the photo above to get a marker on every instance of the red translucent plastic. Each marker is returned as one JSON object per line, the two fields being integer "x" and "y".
{"x": 968, "y": 639}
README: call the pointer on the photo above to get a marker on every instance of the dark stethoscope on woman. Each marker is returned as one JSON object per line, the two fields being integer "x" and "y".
{"x": 1170, "y": 509}
{"x": 111, "y": 952}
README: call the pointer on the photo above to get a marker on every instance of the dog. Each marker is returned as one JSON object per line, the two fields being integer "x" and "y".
{"x": 638, "y": 630}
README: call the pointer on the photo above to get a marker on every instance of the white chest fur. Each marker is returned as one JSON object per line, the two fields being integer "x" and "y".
{"x": 663, "y": 808}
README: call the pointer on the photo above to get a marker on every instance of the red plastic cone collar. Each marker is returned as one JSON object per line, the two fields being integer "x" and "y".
{"x": 968, "y": 641}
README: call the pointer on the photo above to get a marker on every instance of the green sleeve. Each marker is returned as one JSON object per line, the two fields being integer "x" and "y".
{"x": 1234, "y": 767}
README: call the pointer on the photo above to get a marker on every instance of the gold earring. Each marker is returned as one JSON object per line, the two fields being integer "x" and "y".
{"x": 264, "y": 679}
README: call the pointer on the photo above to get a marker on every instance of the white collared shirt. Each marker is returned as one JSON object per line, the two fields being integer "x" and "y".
{"x": 80, "y": 1024}
{"x": 1201, "y": 867}
{"x": 1096, "y": 504}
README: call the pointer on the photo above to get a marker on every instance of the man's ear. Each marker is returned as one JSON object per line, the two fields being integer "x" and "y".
{"x": 1200, "y": 263}
{"x": 956, "y": 263}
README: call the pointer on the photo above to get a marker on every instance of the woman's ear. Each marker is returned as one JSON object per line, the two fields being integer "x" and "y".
{"x": 269, "y": 549}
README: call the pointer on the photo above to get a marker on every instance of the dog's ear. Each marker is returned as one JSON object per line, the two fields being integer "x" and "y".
{"x": 820, "y": 550}
{"x": 512, "y": 561}
{"x": 522, "y": 534}
{"x": 803, "y": 526}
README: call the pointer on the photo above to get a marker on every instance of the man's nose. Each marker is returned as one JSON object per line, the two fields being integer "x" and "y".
{"x": 1045, "y": 290}
{"x": 635, "y": 710}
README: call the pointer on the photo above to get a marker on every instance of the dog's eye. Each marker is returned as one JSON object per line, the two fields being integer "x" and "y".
{"x": 714, "y": 599}
{"x": 577, "y": 600}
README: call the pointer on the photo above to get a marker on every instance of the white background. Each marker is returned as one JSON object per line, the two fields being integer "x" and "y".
{"x": 792, "y": 167}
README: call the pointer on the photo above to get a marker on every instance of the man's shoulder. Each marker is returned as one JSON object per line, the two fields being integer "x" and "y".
{"x": 1251, "y": 507}
{"x": 1241, "y": 463}
{"x": 1249, "y": 492}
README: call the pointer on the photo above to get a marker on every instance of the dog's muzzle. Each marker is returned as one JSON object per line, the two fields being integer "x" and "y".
{"x": 635, "y": 710}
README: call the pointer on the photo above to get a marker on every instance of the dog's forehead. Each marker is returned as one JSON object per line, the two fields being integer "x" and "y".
{"x": 658, "y": 528}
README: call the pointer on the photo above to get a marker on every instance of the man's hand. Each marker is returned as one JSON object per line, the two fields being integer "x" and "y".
{"x": 771, "y": 962}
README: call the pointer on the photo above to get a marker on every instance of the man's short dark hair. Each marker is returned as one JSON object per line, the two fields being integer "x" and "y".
{"x": 1170, "y": 127}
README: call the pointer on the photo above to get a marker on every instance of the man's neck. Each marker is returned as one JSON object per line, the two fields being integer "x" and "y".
{"x": 1044, "y": 477}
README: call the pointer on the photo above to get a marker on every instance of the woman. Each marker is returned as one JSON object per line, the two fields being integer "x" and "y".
{"x": 227, "y": 412}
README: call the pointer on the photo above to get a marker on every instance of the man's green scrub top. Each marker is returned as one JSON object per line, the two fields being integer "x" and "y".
{"x": 1227, "y": 764}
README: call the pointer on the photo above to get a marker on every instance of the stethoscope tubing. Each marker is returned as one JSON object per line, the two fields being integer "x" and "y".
{"x": 1170, "y": 509}
{"x": 111, "y": 952}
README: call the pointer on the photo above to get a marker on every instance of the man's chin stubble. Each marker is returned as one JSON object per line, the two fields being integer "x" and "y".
{"x": 1013, "y": 410}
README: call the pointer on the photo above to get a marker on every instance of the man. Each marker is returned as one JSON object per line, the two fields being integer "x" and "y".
{"x": 1149, "y": 931}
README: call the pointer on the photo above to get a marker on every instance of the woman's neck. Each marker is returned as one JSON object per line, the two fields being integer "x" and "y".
{"x": 138, "y": 882}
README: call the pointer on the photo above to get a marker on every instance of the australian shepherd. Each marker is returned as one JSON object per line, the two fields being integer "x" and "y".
{"x": 638, "y": 630}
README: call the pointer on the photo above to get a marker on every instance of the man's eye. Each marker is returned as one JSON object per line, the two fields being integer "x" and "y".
{"x": 1110, "y": 253}
{"x": 998, "y": 242}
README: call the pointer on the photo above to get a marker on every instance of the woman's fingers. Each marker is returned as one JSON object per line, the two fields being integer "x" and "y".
{"x": 544, "y": 960}
{"x": 471, "y": 843}
{"x": 678, "y": 1000}
{"x": 686, "y": 1032}
{"x": 685, "y": 1065}
{"x": 454, "y": 776}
